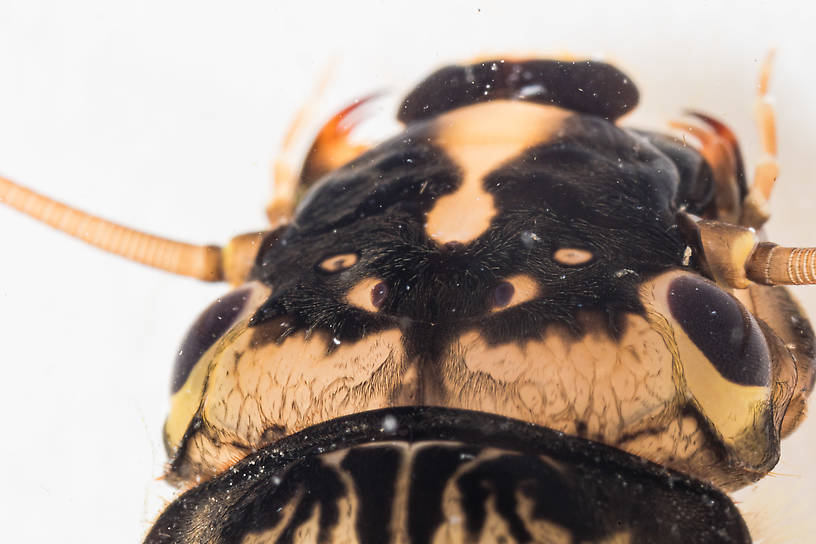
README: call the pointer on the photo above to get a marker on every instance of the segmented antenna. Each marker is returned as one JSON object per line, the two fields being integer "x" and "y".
{"x": 201, "y": 262}
{"x": 735, "y": 257}
{"x": 776, "y": 265}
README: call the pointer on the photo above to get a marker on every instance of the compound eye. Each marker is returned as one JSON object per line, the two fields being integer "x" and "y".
{"x": 369, "y": 295}
{"x": 207, "y": 329}
{"x": 513, "y": 291}
{"x": 721, "y": 329}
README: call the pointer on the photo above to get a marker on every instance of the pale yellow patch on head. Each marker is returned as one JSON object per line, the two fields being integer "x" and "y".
{"x": 184, "y": 403}
{"x": 610, "y": 386}
{"x": 621, "y": 537}
{"x": 338, "y": 263}
{"x": 479, "y": 139}
{"x": 260, "y": 389}
{"x": 525, "y": 288}
{"x": 362, "y": 294}
{"x": 571, "y": 256}
{"x": 625, "y": 391}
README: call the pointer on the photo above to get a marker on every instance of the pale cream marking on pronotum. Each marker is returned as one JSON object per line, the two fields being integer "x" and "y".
{"x": 572, "y": 256}
{"x": 495, "y": 527}
{"x": 402, "y": 487}
{"x": 453, "y": 527}
{"x": 479, "y": 139}
{"x": 308, "y": 532}
{"x": 338, "y": 263}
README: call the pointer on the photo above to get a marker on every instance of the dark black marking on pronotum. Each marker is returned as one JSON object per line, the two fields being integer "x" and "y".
{"x": 207, "y": 329}
{"x": 374, "y": 472}
{"x": 431, "y": 471}
{"x": 722, "y": 329}
{"x": 589, "y": 87}
{"x": 588, "y": 491}
{"x": 256, "y": 513}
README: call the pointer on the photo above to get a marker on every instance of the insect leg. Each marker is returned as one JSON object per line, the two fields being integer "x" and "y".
{"x": 333, "y": 148}
{"x": 755, "y": 213}
{"x": 285, "y": 173}
{"x": 720, "y": 150}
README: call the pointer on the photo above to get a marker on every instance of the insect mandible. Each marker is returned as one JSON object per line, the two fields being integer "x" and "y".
{"x": 513, "y": 254}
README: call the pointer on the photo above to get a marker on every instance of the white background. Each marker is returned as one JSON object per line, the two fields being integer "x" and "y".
{"x": 165, "y": 116}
